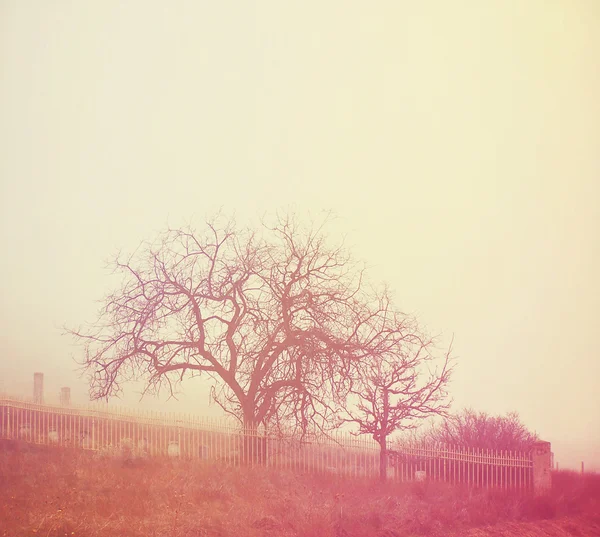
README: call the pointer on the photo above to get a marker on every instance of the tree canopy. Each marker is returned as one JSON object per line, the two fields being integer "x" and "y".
{"x": 276, "y": 317}
{"x": 393, "y": 392}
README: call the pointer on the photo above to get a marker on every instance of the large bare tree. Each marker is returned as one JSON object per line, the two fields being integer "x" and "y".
{"x": 397, "y": 391}
{"x": 274, "y": 316}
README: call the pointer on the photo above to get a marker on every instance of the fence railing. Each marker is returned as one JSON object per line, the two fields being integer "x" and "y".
{"x": 109, "y": 430}
{"x": 472, "y": 466}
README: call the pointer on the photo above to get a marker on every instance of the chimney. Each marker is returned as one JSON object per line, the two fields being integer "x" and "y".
{"x": 65, "y": 396}
{"x": 38, "y": 388}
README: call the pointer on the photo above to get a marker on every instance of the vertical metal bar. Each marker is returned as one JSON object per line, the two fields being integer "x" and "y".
{"x": 521, "y": 465}
{"x": 496, "y": 477}
{"x": 505, "y": 473}
{"x": 519, "y": 472}
{"x": 495, "y": 468}
{"x": 517, "y": 464}
{"x": 487, "y": 468}
{"x": 152, "y": 434}
{"x": 469, "y": 467}
{"x": 460, "y": 464}
{"x": 510, "y": 469}
{"x": 465, "y": 465}
{"x": 184, "y": 447}
{"x": 195, "y": 448}
{"x": 475, "y": 458}
{"x": 188, "y": 437}
{"x": 480, "y": 467}
{"x": 502, "y": 476}
{"x": 476, "y": 467}
{"x": 475, "y": 482}
{"x": 492, "y": 467}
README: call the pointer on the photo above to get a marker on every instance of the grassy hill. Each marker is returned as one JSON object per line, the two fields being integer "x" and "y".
{"x": 54, "y": 492}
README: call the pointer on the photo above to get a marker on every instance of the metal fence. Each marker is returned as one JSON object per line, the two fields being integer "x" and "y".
{"x": 132, "y": 433}
{"x": 463, "y": 465}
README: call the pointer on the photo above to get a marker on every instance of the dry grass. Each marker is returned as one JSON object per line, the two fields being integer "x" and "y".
{"x": 62, "y": 493}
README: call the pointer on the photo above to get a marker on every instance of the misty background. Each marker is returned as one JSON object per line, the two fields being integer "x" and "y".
{"x": 458, "y": 143}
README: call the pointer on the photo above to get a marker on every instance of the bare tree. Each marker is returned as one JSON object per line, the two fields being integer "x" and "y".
{"x": 479, "y": 430}
{"x": 393, "y": 393}
{"x": 275, "y": 319}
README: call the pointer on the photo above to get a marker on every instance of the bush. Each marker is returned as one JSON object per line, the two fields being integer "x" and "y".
{"x": 480, "y": 430}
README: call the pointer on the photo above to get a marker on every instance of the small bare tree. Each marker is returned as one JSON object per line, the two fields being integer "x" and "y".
{"x": 276, "y": 320}
{"x": 393, "y": 393}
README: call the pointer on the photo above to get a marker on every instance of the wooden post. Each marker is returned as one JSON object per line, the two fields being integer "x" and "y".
{"x": 581, "y": 467}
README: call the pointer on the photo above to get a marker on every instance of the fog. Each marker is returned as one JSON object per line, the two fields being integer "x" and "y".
{"x": 458, "y": 143}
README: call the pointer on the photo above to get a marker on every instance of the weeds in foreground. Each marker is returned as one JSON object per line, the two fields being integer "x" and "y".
{"x": 67, "y": 493}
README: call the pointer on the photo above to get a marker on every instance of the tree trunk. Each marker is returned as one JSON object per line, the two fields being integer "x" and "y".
{"x": 383, "y": 459}
{"x": 383, "y": 437}
{"x": 254, "y": 445}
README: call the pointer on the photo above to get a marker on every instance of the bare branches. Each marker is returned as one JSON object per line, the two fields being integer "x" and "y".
{"x": 480, "y": 430}
{"x": 391, "y": 392}
{"x": 281, "y": 322}
{"x": 274, "y": 320}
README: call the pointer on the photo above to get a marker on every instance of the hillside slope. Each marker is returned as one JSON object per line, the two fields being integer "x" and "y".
{"x": 54, "y": 492}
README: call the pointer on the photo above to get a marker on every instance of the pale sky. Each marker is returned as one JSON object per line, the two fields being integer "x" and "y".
{"x": 457, "y": 141}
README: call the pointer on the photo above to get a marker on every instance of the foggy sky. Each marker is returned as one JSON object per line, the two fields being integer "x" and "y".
{"x": 458, "y": 143}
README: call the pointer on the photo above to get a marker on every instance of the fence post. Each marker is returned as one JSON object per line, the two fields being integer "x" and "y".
{"x": 541, "y": 467}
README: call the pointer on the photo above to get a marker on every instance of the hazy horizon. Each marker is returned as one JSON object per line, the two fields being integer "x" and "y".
{"x": 457, "y": 143}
